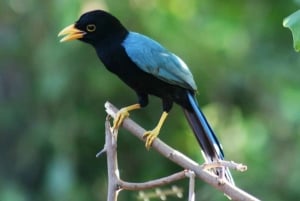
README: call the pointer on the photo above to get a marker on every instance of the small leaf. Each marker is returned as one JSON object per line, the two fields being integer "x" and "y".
{"x": 293, "y": 23}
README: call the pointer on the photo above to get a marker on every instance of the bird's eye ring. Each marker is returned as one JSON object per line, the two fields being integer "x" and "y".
{"x": 91, "y": 28}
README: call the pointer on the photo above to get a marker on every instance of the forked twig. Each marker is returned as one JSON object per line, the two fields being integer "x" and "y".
{"x": 191, "y": 168}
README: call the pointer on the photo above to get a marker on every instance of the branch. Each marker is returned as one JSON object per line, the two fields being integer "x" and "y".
{"x": 186, "y": 163}
{"x": 191, "y": 175}
{"x": 115, "y": 184}
{"x": 229, "y": 164}
{"x": 153, "y": 183}
{"x": 112, "y": 166}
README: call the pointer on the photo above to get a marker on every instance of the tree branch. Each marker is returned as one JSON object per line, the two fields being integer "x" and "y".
{"x": 191, "y": 175}
{"x": 186, "y": 163}
{"x": 112, "y": 163}
{"x": 153, "y": 183}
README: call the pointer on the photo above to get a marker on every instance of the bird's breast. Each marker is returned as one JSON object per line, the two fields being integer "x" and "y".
{"x": 118, "y": 62}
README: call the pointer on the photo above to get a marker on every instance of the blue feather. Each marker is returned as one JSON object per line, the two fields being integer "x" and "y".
{"x": 208, "y": 141}
{"x": 153, "y": 58}
{"x": 208, "y": 131}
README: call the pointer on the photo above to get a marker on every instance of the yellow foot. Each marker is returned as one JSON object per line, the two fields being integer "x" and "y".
{"x": 150, "y": 137}
{"x": 121, "y": 115}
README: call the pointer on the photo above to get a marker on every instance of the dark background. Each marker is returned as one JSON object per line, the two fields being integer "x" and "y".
{"x": 52, "y": 96}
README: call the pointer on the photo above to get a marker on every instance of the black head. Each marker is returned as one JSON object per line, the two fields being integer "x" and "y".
{"x": 94, "y": 27}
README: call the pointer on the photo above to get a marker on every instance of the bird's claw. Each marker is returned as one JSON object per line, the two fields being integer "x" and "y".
{"x": 150, "y": 137}
{"x": 120, "y": 116}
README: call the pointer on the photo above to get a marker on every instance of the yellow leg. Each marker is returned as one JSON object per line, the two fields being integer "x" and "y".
{"x": 151, "y": 135}
{"x": 122, "y": 114}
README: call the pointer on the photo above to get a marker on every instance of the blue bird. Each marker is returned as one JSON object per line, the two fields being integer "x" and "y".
{"x": 149, "y": 69}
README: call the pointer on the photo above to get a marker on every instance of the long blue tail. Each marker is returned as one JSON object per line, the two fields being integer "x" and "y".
{"x": 208, "y": 141}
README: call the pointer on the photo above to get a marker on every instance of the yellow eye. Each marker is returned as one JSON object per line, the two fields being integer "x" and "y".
{"x": 91, "y": 28}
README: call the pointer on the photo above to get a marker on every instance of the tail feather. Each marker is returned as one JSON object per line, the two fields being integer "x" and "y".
{"x": 208, "y": 141}
{"x": 204, "y": 134}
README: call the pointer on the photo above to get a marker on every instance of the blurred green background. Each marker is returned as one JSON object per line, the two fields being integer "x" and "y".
{"x": 52, "y": 96}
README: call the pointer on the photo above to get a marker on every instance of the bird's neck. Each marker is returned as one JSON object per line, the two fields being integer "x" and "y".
{"x": 106, "y": 48}
{"x": 110, "y": 40}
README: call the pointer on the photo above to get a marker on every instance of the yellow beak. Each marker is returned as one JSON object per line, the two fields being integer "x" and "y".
{"x": 71, "y": 33}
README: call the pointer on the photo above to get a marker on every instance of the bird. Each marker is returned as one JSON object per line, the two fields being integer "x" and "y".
{"x": 149, "y": 69}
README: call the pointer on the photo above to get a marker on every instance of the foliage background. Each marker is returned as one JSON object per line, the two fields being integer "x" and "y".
{"x": 52, "y": 96}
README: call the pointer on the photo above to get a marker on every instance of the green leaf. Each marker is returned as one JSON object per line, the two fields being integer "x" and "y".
{"x": 293, "y": 23}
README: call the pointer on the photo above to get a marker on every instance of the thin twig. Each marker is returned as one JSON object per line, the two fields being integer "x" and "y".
{"x": 153, "y": 183}
{"x": 186, "y": 163}
{"x": 221, "y": 163}
{"x": 191, "y": 176}
{"x": 101, "y": 152}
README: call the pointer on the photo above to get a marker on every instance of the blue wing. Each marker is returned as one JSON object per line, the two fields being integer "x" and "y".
{"x": 153, "y": 58}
